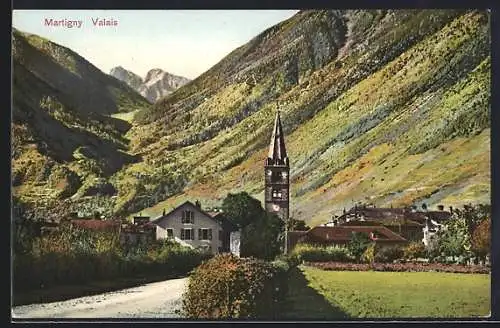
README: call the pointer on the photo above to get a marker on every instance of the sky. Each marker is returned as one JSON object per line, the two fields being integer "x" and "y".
{"x": 182, "y": 42}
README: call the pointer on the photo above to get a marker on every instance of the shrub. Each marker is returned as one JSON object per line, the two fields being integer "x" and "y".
{"x": 401, "y": 267}
{"x": 358, "y": 244}
{"x": 414, "y": 250}
{"x": 369, "y": 254}
{"x": 389, "y": 254}
{"x": 310, "y": 253}
{"x": 227, "y": 286}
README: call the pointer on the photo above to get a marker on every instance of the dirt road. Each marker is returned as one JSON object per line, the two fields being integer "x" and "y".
{"x": 155, "y": 300}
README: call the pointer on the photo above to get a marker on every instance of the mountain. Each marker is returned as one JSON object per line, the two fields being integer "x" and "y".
{"x": 65, "y": 140}
{"x": 155, "y": 85}
{"x": 390, "y": 107}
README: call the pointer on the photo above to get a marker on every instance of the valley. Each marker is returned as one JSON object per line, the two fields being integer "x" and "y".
{"x": 389, "y": 107}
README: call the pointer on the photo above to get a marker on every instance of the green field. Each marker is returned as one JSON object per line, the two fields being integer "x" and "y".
{"x": 329, "y": 295}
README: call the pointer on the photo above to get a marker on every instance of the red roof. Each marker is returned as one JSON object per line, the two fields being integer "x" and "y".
{"x": 344, "y": 234}
{"x": 96, "y": 224}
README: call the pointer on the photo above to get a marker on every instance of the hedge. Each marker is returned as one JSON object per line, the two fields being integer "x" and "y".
{"x": 57, "y": 268}
{"x": 400, "y": 267}
{"x": 227, "y": 286}
{"x": 312, "y": 253}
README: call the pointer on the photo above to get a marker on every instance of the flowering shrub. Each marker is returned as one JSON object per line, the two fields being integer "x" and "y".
{"x": 227, "y": 286}
{"x": 400, "y": 267}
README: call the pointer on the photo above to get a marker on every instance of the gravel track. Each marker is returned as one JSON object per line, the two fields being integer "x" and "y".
{"x": 154, "y": 300}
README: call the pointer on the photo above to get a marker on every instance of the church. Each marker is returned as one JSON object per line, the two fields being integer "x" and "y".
{"x": 194, "y": 227}
{"x": 277, "y": 176}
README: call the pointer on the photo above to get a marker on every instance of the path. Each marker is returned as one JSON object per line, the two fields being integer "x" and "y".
{"x": 154, "y": 300}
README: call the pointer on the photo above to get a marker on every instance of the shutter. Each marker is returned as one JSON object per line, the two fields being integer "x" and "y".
{"x": 192, "y": 217}
{"x": 182, "y": 234}
{"x": 192, "y": 234}
{"x": 199, "y": 234}
{"x": 209, "y": 234}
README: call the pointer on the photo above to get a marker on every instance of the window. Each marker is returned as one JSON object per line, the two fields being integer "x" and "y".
{"x": 170, "y": 233}
{"x": 277, "y": 194}
{"x": 187, "y": 234}
{"x": 204, "y": 234}
{"x": 188, "y": 217}
{"x": 275, "y": 177}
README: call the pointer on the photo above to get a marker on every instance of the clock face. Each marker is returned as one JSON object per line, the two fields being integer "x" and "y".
{"x": 269, "y": 172}
{"x": 276, "y": 207}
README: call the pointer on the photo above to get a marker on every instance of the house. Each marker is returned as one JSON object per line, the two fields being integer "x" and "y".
{"x": 411, "y": 224}
{"x": 141, "y": 231}
{"x": 131, "y": 234}
{"x": 342, "y": 235}
{"x": 191, "y": 226}
{"x": 97, "y": 225}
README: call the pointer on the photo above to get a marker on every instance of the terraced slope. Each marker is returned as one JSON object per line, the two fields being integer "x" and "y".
{"x": 64, "y": 140}
{"x": 383, "y": 106}
{"x": 388, "y": 107}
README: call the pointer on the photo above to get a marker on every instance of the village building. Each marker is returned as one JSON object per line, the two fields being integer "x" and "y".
{"x": 129, "y": 233}
{"x": 191, "y": 226}
{"x": 342, "y": 235}
{"x": 411, "y": 224}
{"x": 277, "y": 170}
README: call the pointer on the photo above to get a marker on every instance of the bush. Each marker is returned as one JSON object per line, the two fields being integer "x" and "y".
{"x": 310, "y": 253}
{"x": 227, "y": 286}
{"x": 401, "y": 267}
{"x": 414, "y": 250}
{"x": 369, "y": 254}
{"x": 78, "y": 258}
{"x": 389, "y": 254}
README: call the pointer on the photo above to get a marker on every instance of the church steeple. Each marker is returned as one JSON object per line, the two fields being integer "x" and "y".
{"x": 277, "y": 150}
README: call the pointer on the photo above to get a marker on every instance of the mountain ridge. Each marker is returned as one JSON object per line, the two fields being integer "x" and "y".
{"x": 156, "y": 84}
{"x": 389, "y": 107}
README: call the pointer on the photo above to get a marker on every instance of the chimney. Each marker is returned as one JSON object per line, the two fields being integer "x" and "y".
{"x": 440, "y": 207}
{"x": 163, "y": 212}
{"x": 451, "y": 209}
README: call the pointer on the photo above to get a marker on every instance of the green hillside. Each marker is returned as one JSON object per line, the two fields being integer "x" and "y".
{"x": 383, "y": 106}
{"x": 64, "y": 141}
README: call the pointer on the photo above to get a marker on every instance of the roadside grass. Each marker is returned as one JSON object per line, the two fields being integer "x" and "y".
{"x": 318, "y": 294}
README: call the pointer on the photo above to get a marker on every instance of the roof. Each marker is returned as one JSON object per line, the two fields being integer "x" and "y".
{"x": 92, "y": 224}
{"x": 344, "y": 233}
{"x": 277, "y": 150}
{"x": 212, "y": 215}
{"x": 391, "y": 214}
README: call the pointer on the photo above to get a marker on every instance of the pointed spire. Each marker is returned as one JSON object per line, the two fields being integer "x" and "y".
{"x": 277, "y": 151}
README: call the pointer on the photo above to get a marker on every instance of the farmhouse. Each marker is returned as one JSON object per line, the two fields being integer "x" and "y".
{"x": 342, "y": 235}
{"x": 191, "y": 226}
{"x": 411, "y": 224}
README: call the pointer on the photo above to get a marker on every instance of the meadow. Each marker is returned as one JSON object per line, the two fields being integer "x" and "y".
{"x": 335, "y": 295}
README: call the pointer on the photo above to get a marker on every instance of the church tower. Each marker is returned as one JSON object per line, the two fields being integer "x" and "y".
{"x": 277, "y": 169}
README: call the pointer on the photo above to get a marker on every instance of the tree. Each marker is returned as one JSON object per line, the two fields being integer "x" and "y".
{"x": 241, "y": 209}
{"x": 481, "y": 239}
{"x": 453, "y": 240}
{"x": 472, "y": 216}
{"x": 358, "y": 244}
{"x": 298, "y": 225}
{"x": 261, "y": 232}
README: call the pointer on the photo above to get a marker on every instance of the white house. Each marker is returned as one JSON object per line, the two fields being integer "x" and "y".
{"x": 189, "y": 225}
